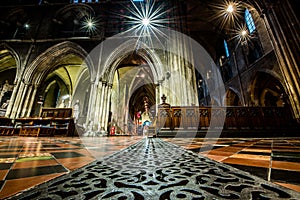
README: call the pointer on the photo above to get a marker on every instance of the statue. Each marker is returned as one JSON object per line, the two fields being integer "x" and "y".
{"x": 62, "y": 104}
{"x": 5, "y": 104}
{"x": 6, "y": 88}
{"x": 76, "y": 111}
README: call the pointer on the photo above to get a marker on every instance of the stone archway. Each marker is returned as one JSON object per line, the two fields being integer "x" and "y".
{"x": 266, "y": 90}
{"x": 232, "y": 98}
{"x": 50, "y": 61}
{"x": 102, "y": 91}
{"x": 133, "y": 82}
{"x": 174, "y": 77}
{"x": 9, "y": 73}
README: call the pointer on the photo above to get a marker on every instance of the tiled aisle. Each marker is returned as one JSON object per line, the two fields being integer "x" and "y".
{"x": 153, "y": 169}
{"x": 276, "y": 160}
{"x": 27, "y": 161}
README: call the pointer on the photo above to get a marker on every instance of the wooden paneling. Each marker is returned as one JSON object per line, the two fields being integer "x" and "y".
{"x": 191, "y": 117}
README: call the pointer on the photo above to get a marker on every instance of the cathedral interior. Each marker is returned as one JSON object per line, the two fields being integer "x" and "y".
{"x": 149, "y": 99}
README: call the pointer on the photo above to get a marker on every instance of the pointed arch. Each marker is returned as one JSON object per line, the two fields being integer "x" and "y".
{"x": 15, "y": 55}
{"x": 267, "y": 88}
{"x": 123, "y": 51}
{"x": 232, "y": 98}
{"x": 46, "y": 63}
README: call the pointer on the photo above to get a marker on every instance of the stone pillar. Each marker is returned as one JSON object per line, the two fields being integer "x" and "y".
{"x": 17, "y": 101}
{"x": 193, "y": 70}
{"x": 182, "y": 93}
{"x": 97, "y": 106}
{"x": 21, "y": 102}
{"x": 23, "y": 114}
{"x": 91, "y": 104}
{"x": 102, "y": 119}
{"x": 32, "y": 100}
{"x": 12, "y": 100}
{"x": 239, "y": 77}
{"x": 101, "y": 99}
{"x": 107, "y": 106}
{"x": 157, "y": 95}
{"x": 126, "y": 110}
{"x": 185, "y": 77}
{"x": 275, "y": 18}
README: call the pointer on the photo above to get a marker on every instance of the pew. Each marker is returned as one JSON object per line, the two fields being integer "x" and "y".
{"x": 52, "y": 121}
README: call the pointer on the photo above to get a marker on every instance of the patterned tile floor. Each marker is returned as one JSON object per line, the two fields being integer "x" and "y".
{"x": 153, "y": 169}
{"x": 26, "y": 162}
{"x": 276, "y": 160}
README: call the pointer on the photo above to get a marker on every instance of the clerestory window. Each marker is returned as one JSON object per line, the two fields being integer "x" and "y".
{"x": 249, "y": 21}
{"x": 226, "y": 49}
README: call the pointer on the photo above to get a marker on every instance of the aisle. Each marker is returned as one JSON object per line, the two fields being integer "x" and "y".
{"x": 154, "y": 169}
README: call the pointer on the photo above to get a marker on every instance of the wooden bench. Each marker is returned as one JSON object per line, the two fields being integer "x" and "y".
{"x": 52, "y": 121}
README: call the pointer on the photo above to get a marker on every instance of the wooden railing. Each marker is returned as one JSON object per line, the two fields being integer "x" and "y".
{"x": 56, "y": 112}
{"x": 187, "y": 117}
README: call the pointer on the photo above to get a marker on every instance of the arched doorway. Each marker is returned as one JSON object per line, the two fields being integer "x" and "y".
{"x": 266, "y": 90}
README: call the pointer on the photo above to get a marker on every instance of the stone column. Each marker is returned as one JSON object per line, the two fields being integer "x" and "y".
{"x": 26, "y": 101}
{"x": 101, "y": 99}
{"x": 103, "y": 111}
{"x": 157, "y": 94}
{"x": 287, "y": 57}
{"x": 21, "y": 102}
{"x": 125, "y": 104}
{"x": 91, "y": 103}
{"x": 239, "y": 78}
{"x": 12, "y": 100}
{"x": 193, "y": 71}
{"x": 17, "y": 101}
{"x": 107, "y": 106}
{"x": 103, "y": 103}
{"x": 97, "y": 106}
{"x": 184, "y": 70}
{"x": 32, "y": 100}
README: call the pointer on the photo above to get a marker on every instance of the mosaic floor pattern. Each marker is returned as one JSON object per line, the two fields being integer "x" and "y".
{"x": 154, "y": 169}
{"x": 274, "y": 159}
{"x": 29, "y": 161}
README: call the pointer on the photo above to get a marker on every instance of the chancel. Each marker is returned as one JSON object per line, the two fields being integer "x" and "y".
{"x": 149, "y": 99}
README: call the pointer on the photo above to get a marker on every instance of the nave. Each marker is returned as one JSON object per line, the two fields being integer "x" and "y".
{"x": 143, "y": 168}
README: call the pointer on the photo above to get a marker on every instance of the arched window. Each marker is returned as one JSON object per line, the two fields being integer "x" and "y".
{"x": 249, "y": 21}
{"x": 226, "y": 49}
